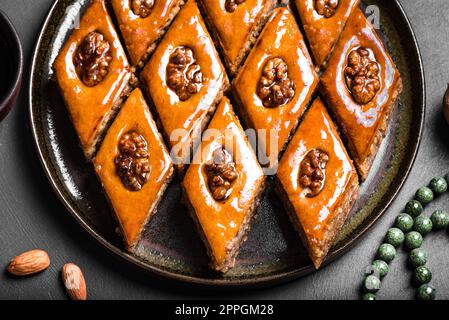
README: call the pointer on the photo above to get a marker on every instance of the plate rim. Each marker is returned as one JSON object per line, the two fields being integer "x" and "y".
{"x": 256, "y": 281}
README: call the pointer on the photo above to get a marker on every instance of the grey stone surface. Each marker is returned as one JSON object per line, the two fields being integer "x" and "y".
{"x": 31, "y": 215}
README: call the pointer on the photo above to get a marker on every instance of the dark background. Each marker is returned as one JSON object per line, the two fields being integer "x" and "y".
{"x": 32, "y": 217}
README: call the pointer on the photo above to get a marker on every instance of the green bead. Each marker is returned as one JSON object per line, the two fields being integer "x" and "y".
{"x": 423, "y": 225}
{"x": 369, "y": 297}
{"x": 386, "y": 252}
{"x": 426, "y": 292}
{"x": 422, "y": 275}
{"x": 424, "y": 195}
{"x": 414, "y": 208}
{"x": 395, "y": 237}
{"x": 381, "y": 267}
{"x": 371, "y": 284}
{"x": 440, "y": 219}
{"x": 413, "y": 240}
{"x": 438, "y": 185}
{"x": 417, "y": 258}
{"x": 404, "y": 222}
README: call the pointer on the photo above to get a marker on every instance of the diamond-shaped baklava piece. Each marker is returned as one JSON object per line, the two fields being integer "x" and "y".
{"x": 236, "y": 25}
{"x": 185, "y": 81}
{"x": 317, "y": 182}
{"x": 361, "y": 85}
{"x": 143, "y": 23}
{"x": 134, "y": 167}
{"x": 93, "y": 74}
{"x": 276, "y": 83}
{"x": 223, "y": 186}
{"x": 323, "y": 22}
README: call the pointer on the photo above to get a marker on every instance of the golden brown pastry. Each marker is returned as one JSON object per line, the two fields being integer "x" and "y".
{"x": 93, "y": 74}
{"x": 223, "y": 186}
{"x": 134, "y": 167}
{"x": 235, "y": 25}
{"x": 323, "y": 22}
{"x": 276, "y": 84}
{"x": 317, "y": 182}
{"x": 185, "y": 80}
{"x": 143, "y": 23}
{"x": 361, "y": 86}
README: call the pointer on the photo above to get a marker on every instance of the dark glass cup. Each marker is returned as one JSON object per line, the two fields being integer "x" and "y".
{"x": 11, "y": 65}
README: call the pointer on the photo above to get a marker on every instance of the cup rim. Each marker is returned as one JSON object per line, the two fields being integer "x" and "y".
{"x": 17, "y": 77}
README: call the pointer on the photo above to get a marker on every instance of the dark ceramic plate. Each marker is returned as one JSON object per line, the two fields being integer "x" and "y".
{"x": 171, "y": 246}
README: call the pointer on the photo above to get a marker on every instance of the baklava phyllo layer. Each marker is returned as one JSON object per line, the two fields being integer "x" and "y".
{"x": 223, "y": 186}
{"x": 93, "y": 74}
{"x": 134, "y": 167}
{"x": 317, "y": 182}
{"x": 185, "y": 80}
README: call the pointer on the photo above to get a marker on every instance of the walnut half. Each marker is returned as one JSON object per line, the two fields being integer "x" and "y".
{"x": 142, "y": 8}
{"x": 231, "y": 5}
{"x": 312, "y": 173}
{"x": 362, "y": 75}
{"x": 184, "y": 75}
{"x": 221, "y": 173}
{"x": 326, "y": 8}
{"x": 132, "y": 162}
{"x": 93, "y": 58}
{"x": 275, "y": 87}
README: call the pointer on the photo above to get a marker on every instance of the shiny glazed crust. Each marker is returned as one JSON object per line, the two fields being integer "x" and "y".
{"x": 319, "y": 252}
{"x": 365, "y": 167}
{"x": 188, "y": 30}
{"x": 363, "y": 126}
{"x": 232, "y": 250}
{"x": 323, "y": 33}
{"x": 223, "y": 225}
{"x": 317, "y": 219}
{"x": 92, "y": 108}
{"x": 133, "y": 209}
{"x": 235, "y": 33}
{"x": 142, "y": 35}
{"x": 281, "y": 38}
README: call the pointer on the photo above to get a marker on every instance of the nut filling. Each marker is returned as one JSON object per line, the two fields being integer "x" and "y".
{"x": 92, "y": 59}
{"x": 221, "y": 173}
{"x": 312, "y": 174}
{"x": 132, "y": 163}
{"x": 362, "y": 75}
{"x": 326, "y": 8}
{"x": 231, "y": 5}
{"x": 275, "y": 87}
{"x": 142, "y": 8}
{"x": 184, "y": 75}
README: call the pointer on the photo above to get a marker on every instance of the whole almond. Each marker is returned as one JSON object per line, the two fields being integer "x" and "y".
{"x": 29, "y": 263}
{"x": 74, "y": 282}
